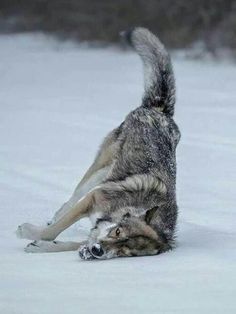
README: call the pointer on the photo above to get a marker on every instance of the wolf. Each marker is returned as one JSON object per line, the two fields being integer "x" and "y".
{"x": 129, "y": 192}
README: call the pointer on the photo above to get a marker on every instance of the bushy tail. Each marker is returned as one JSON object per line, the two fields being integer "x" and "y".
{"x": 158, "y": 74}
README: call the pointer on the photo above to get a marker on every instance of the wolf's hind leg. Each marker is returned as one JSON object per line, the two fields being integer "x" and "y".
{"x": 81, "y": 190}
{"x": 50, "y": 232}
{"x": 94, "y": 175}
{"x": 29, "y": 231}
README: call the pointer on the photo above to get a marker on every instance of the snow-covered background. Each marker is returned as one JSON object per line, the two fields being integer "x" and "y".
{"x": 57, "y": 101}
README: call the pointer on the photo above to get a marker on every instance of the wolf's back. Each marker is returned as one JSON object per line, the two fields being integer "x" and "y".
{"x": 158, "y": 74}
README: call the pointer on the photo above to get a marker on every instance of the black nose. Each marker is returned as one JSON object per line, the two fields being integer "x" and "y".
{"x": 97, "y": 250}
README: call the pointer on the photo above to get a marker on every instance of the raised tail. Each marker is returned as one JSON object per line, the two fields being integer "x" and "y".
{"x": 158, "y": 73}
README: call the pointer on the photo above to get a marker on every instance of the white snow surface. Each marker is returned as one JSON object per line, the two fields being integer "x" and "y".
{"x": 57, "y": 102}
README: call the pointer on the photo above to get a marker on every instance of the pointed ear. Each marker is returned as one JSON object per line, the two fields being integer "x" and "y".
{"x": 149, "y": 214}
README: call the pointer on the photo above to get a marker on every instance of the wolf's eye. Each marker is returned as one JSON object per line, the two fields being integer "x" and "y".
{"x": 117, "y": 231}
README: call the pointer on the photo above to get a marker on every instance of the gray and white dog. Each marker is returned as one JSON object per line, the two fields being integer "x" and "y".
{"x": 129, "y": 192}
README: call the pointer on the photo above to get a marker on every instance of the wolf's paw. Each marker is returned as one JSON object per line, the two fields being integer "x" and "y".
{"x": 28, "y": 231}
{"x": 85, "y": 254}
{"x": 40, "y": 247}
{"x": 33, "y": 247}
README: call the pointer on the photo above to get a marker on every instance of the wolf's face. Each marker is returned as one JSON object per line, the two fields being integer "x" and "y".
{"x": 129, "y": 236}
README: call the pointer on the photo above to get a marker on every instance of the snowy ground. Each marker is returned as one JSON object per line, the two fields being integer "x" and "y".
{"x": 57, "y": 102}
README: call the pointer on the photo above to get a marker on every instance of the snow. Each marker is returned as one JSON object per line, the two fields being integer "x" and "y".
{"x": 57, "y": 102}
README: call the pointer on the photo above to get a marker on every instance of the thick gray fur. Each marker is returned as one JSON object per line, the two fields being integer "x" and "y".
{"x": 131, "y": 186}
{"x": 146, "y": 142}
{"x": 158, "y": 73}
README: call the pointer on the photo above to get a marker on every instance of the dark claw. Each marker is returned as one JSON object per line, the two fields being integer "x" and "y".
{"x": 33, "y": 244}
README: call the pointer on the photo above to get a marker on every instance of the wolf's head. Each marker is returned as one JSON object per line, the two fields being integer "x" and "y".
{"x": 128, "y": 235}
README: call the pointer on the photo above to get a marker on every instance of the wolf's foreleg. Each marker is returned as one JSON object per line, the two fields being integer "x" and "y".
{"x": 52, "y": 246}
{"x": 59, "y": 246}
